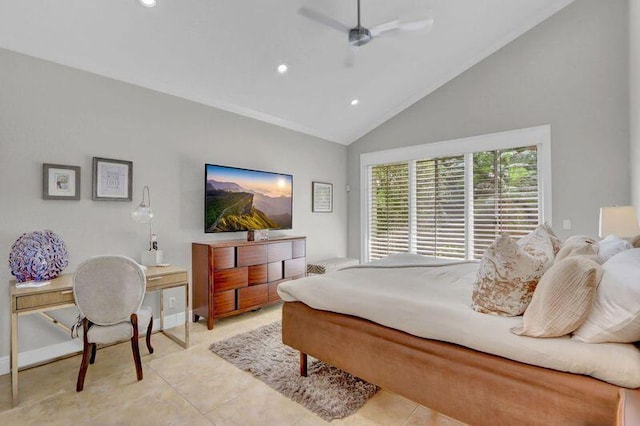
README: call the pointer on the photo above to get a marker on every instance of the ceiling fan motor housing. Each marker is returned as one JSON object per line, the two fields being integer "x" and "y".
{"x": 359, "y": 36}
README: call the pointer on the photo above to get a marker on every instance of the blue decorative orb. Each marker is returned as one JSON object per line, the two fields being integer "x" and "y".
{"x": 38, "y": 256}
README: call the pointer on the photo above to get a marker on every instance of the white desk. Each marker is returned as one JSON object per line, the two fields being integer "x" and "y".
{"x": 59, "y": 294}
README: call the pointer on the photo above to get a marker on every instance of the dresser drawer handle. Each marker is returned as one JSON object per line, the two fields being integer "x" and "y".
{"x": 66, "y": 292}
{"x": 154, "y": 278}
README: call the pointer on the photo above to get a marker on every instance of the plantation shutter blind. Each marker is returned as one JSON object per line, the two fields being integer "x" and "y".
{"x": 505, "y": 195}
{"x": 388, "y": 210}
{"x": 440, "y": 207}
{"x": 452, "y": 207}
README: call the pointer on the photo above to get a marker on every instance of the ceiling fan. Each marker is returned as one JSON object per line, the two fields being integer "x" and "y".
{"x": 359, "y": 35}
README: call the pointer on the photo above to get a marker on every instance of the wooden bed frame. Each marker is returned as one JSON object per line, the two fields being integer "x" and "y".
{"x": 468, "y": 385}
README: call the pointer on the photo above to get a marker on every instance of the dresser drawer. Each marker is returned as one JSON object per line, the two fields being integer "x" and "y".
{"x": 224, "y": 257}
{"x": 33, "y": 301}
{"x": 279, "y": 251}
{"x": 273, "y": 290}
{"x": 227, "y": 279}
{"x": 274, "y": 271}
{"x": 253, "y": 296}
{"x": 299, "y": 248}
{"x": 257, "y": 274}
{"x": 294, "y": 267}
{"x": 252, "y": 255}
{"x": 224, "y": 302}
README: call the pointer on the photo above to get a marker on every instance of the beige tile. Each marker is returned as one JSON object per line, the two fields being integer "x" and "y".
{"x": 208, "y": 391}
{"x": 50, "y": 379}
{"x": 164, "y": 408}
{"x": 259, "y": 405}
{"x": 111, "y": 392}
{"x": 387, "y": 408}
{"x": 423, "y": 416}
{"x": 311, "y": 419}
{"x": 63, "y": 408}
{"x": 197, "y": 361}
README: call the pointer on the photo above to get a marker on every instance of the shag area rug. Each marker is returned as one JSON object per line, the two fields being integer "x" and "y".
{"x": 327, "y": 391}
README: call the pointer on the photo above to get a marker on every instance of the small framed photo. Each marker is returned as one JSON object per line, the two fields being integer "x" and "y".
{"x": 60, "y": 182}
{"x": 112, "y": 179}
{"x": 322, "y": 197}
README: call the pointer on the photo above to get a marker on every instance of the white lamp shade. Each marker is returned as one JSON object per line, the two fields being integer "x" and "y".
{"x": 619, "y": 221}
{"x": 142, "y": 214}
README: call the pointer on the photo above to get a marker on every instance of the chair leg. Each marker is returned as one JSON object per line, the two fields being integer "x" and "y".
{"x": 93, "y": 354}
{"x": 134, "y": 346}
{"x": 85, "y": 357}
{"x": 149, "y": 336}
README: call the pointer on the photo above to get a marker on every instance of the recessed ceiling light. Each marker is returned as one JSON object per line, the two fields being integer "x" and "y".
{"x": 147, "y": 3}
{"x": 355, "y": 102}
{"x": 283, "y": 68}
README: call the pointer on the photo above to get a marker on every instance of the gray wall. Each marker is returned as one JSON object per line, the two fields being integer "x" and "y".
{"x": 571, "y": 72}
{"x": 54, "y": 114}
{"x": 634, "y": 101}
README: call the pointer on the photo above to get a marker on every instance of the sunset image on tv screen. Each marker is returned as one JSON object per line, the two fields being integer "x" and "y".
{"x": 241, "y": 199}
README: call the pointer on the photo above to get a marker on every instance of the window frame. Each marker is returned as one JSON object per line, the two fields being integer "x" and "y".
{"x": 540, "y": 136}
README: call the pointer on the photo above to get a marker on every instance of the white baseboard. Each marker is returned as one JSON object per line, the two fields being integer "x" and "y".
{"x": 39, "y": 355}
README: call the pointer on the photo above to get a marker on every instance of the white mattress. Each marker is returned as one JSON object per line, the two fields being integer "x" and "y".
{"x": 411, "y": 294}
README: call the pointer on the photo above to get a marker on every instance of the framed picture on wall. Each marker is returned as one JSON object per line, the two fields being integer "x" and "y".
{"x": 112, "y": 179}
{"x": 60, "y": 182}
{"x": 322, "y": 197}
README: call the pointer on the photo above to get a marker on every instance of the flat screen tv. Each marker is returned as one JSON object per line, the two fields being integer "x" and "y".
{"x": 242, "y": 199}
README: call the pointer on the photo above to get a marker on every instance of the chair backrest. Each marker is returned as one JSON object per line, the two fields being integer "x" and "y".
{"x": 108, "y": 289}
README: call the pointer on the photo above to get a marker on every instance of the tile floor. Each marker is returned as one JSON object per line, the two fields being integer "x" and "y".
{"x": 190, "y": 387}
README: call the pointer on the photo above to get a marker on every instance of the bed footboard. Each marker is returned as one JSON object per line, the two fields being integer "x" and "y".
{"x": 468, "y": 385}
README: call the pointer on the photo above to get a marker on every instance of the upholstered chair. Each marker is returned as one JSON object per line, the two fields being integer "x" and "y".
{"x": 108, "y": 291}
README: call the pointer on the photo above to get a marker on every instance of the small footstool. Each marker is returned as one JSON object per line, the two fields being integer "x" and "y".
{"x": 330, "y": 265}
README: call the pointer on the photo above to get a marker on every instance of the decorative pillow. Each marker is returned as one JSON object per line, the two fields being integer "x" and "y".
{"x": 634, "y": 241}
{"x": 615, "y": 313}
{"x": 510, "y": 270}
{"x": 578, "y": 245}
{"x": 562, "y": 299}
{"x": 611, "y": 246}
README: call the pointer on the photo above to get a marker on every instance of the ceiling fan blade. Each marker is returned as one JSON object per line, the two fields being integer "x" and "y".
{"x": 323, "y": 19}
{"x": 350, "y": 60}
{"x": 387, "y": 26}
{"x": 417, "y": 25}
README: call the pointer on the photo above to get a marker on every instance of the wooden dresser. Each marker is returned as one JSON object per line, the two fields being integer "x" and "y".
{"x": 231, "y": 277}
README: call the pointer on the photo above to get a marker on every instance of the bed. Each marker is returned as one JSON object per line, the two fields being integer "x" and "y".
{"x": 405, "y": 325}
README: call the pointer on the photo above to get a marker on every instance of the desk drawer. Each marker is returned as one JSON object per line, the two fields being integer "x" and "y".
{"x": 178, "y": 277}
{"x": 34, "y": 301}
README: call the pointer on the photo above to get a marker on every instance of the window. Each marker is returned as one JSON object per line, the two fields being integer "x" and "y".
{"x": 505, "y": 195}
{"x": 454, "y": 206}
{"x": 389, "y": 224}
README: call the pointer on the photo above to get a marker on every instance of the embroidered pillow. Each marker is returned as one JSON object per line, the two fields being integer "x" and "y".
{"x": 510, "y": 270}
{"x": 562, "y": 299}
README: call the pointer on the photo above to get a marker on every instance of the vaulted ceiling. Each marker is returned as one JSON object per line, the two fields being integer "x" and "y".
{"x": 225, "y": 53}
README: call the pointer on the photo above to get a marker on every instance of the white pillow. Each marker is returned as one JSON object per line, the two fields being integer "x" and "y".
{"x": 611, "y": 246}
{"x": 615, "y": 314}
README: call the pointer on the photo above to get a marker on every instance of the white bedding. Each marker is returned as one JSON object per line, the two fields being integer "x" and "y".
{"x": 430, "y": 298}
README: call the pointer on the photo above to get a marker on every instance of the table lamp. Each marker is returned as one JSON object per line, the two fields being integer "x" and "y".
{"x": 620, "y": 221}
{"x": 144, "y": 214}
